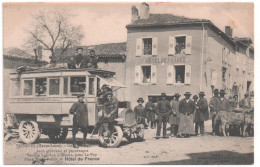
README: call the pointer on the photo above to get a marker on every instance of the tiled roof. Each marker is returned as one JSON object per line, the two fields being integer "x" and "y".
{"x": 109, "y": 50}
{"x": 164, "y": 19}
{"x": 16, "y": 52}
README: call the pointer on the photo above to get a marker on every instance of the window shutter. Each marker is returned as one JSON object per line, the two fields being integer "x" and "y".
{"x": 170, "y": 74}
{"x": 172, "y": 44}
{"x": 155, "y": 46}
{"x": 153, "y": 74}
{"x": 187, "y": 74}
{"x": 137, "y": 74}
{"x": 188, "y": 45}
{"x": 138, "y": 46}
{"x": 214, "y": 78}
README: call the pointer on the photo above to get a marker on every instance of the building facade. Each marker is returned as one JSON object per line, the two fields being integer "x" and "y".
{"x": 172, "y": 54}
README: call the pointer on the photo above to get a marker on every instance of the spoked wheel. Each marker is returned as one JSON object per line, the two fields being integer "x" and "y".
{"x": 111, "y": 139}
{"x": 58, "y": 134}
{"x": 29, "y": 131}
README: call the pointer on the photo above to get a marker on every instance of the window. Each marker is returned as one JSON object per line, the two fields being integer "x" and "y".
{"x": 15, "y": 88}
{"x": 91, "y": 86}
{"x": 28, "y": 87}
{"x": 179, "y": 74}
{"x": 224, "y": 76}
{"x": 77, "y": 84}
{"x": 65, "y": 86}
{"x": 146, "y": 74}
{"x": 54, "y": 88}
{"x": 147, "y": 45}
{"x": 40, "y": 86}
{"x": 180, "y": 45}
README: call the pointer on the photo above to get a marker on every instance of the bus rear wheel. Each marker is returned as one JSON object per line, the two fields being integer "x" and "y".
{"x": 58, "y": 134}
{"x": 29, "y": 131}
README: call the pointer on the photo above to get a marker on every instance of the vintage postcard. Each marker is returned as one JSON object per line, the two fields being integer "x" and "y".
{"x": 128, "y": 83}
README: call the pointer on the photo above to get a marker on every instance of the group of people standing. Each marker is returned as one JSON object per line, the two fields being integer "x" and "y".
{"x": 183, "y": 114}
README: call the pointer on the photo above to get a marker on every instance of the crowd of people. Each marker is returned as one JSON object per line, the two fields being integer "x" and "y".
{"x": 183, "y": 114}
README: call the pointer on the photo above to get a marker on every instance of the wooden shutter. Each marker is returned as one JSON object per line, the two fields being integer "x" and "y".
{"x": 170, "y": 76}
{"x": 137, "y": 74}
{"x": 155, "y": 46}
{"x": 153, "y": 74}
{"x": 214, "y": 78}
{"x": 139, "y": 47}
{"x": 187, "y": 74}
{"x": 188, "y": 45}
{"x": 172, "y": 43}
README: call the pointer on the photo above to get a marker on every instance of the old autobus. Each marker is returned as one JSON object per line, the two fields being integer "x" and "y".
{"x": 40, "y": 99}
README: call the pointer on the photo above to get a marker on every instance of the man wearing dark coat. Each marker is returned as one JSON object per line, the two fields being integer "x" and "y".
{"x": 215, "y": 107}
{"x": 150, "y": 110}
{"x": 163, "y": 110}
{"x": 225, "y": 105}
{"x": 80, "y": 119}
{"x": 140, "y": 112}
{"x": 77, "y": 60}
{"x": 201, "y": 114}
{"x": 174, "y": 117}
{"x": 92, "y": 60}
{"x": 186, "y": 108}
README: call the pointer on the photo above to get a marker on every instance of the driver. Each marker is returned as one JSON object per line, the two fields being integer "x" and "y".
{"x": 109, "y": 110}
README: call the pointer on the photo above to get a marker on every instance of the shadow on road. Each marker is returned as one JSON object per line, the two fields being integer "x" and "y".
{"x": 213, "y": 158}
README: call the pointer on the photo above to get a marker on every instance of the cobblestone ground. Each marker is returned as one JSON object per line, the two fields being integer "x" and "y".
{"x": 194, "y": 150}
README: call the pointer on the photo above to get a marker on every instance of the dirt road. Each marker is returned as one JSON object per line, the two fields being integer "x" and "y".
{"x": 194, "y": 150}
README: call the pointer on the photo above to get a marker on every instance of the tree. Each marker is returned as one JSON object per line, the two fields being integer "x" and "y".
{"x": 53, "y": 30}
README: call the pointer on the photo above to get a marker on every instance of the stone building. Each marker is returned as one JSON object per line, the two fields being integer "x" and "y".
{"x": 175, "y": 54}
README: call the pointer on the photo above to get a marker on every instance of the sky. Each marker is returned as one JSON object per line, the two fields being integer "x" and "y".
{"x": 105, "y": 22}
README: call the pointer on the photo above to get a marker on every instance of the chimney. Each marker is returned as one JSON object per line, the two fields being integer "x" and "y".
{"x": 39, "y": 52}
{"x": 228, "y": 31}
{"x": 134, "y": 14}
{"x": 144, "y": 11}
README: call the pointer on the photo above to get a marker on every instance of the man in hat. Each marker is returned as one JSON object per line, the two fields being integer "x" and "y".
{"x": 201, "y": 114}
{"x": 186, "y": 108}
{"x": 92, "y": 60}
{"x": 80, "y": 119}
{"x": 174, "y": 117}
{"x": 195, "y": 99}
{"x": 245, "y": 102}
{"x": 225, "y": 106}
{"x": 163, "y": 110}
{"x": 140, "y": 112}
{"x": 77, "y": 59}
{"x": 150, "y": 110}
{"x": 215, "y": 106}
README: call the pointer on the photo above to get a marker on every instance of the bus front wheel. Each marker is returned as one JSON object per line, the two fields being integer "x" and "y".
{"x": 29, "y": 131}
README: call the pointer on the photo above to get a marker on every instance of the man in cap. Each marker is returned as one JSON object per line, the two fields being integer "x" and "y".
{"x": 92, "y": 60}
{"x": 174, "y": 118}
{"x": 225, "y": 106}
{"x": 195, "y": 99}
{"x": 140, "y": 111}
{"x": 201, "y": 114}
{"x": 80, "y": 119}
{"x": 186, "y": 108}
{"x": 215, "y": 106}
{"x": 245, "y": 102}
{"x": 163, "y": 110}
{"x": 150, "y": 110}
{"x": 109, "y": 111}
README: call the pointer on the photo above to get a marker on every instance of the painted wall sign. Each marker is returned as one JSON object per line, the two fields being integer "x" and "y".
{"x": 170, "y": 59}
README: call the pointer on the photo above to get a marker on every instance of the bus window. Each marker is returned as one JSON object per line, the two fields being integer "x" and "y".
{"x": 91, "y": 86}
{"x": 65, "y": 86}
{"x": 15, "y": 87}
{"x": 28, "y": 87}
{"x": 54, "y": 88}
{"x": 77, "y": 84}
{"x": 40, "y": 86}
